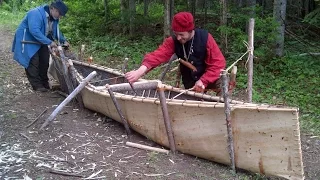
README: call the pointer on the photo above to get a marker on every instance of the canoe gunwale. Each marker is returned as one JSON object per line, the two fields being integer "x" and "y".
{"x": 192, "y": 103}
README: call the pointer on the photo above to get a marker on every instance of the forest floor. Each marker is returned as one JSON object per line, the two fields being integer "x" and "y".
{"x": 82, "y": 144}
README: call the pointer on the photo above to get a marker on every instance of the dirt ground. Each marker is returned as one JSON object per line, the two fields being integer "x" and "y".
{"x": 82, "y": 144}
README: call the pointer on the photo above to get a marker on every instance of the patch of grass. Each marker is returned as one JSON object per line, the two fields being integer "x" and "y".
{"x": 153, "y": 157}
{"x": 10, "y": 20}
{"x": 10, "y": 116}
{"x": 290, "y": 81}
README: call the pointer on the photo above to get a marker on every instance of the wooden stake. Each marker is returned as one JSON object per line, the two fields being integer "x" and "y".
{"x": 74, "y": 82}
{"x": 227, "y": 108}
{"x": 140, "y": 146}
{"x": 163, "y": 75}
{"x": 167, "y": 121}
{"x": 68, "y": 99}
{"x": 116, "y": 104}
{"x": 64, "y": 60}
{"x": 250, "y": 60}
{"x": 125, "y": 65}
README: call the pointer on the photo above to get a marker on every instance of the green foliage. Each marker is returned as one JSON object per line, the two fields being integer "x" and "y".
{"x": 264, "y": 33}
{"x": 118, "y": 47}
{"x": 313, "y": 17}
{"x": 10, "y": 20}
{"x": 290, "y": 81}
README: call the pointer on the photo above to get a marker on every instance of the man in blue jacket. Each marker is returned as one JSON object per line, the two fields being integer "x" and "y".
{"x": 35, "y": 35}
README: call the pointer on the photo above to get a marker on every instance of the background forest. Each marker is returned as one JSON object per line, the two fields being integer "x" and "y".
{"x": 286, "y": 40}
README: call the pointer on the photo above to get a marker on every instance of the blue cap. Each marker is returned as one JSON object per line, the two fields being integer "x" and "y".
{"x": 61, "y": 6}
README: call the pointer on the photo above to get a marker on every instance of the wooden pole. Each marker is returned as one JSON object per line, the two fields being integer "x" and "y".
{"x": 116, "y": 104}
{"x": 227, "y": 108}
{"x": 167, "y": 121}
{"x": 64, "y": 60}
{"x": 163, "y": 74}
{"x": 125, "y": 65}
{"x": 143, "y": 85}
{"x": 36, "y": 119}
{"x": 75, "y": 82}
{"x": 250, "y": 59}
{"x": 68, "y": 99}
{"x": 140, "y": 146}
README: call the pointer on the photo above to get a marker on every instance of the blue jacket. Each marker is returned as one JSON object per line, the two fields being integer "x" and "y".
{"x": 33, "y": 28}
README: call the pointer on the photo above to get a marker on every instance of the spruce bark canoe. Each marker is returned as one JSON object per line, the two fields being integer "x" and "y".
{"x": 266, "y": 138}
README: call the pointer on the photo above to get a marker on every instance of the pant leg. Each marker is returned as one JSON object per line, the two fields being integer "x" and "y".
{"x": 44, "y": 65}
{"x": 32, "y": 72}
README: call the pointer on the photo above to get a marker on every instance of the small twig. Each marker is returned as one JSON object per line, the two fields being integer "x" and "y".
{"x": 62, "y": 93}
{"x": 184, "y": 91}
{"x": 310, "y": 53}
{"x": 94, "y": 174}
{"x": 23, "y": 135}
{"x": 56, "y": 160}
{"x": 65, "y": 173}
{"x": 36, "y": 119}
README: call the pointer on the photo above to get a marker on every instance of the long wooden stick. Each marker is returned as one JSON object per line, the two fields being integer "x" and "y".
{"x": 167, "y": 121}
{"x": 140, "y": 146}
{"x": 68, "y": 99}
{"x": 144, "y": 85}
{"x": 116, "y": 104}
{"x": 250, "y": 60}
{"x": 65, "y": 173}
{"x": 67, "y": 80}
{"x": 163, "y": 74}
{"x": 36, "y": 119}
{"x": 74, "y": 82}
{"x": 227, "y": 108}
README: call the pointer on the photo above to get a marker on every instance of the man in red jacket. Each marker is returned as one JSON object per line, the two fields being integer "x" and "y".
{"x": 196, "y": 47}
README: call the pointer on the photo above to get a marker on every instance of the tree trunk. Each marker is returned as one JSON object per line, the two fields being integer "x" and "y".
{"x": 279, "y": 13}
{"x": 106, "y": 10}
{"x": 252, "y": 5}
{"x": 205, "y": 11}
{"x": 171, "y": 10}
{"x": 132, "y": 8}
{"x": 166, "y": 24}
{"x": 223, "y": 22}
{"x": 146, "y": 7}
{"x": 193, "y": 7}
{"x": 123, "y": 7}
